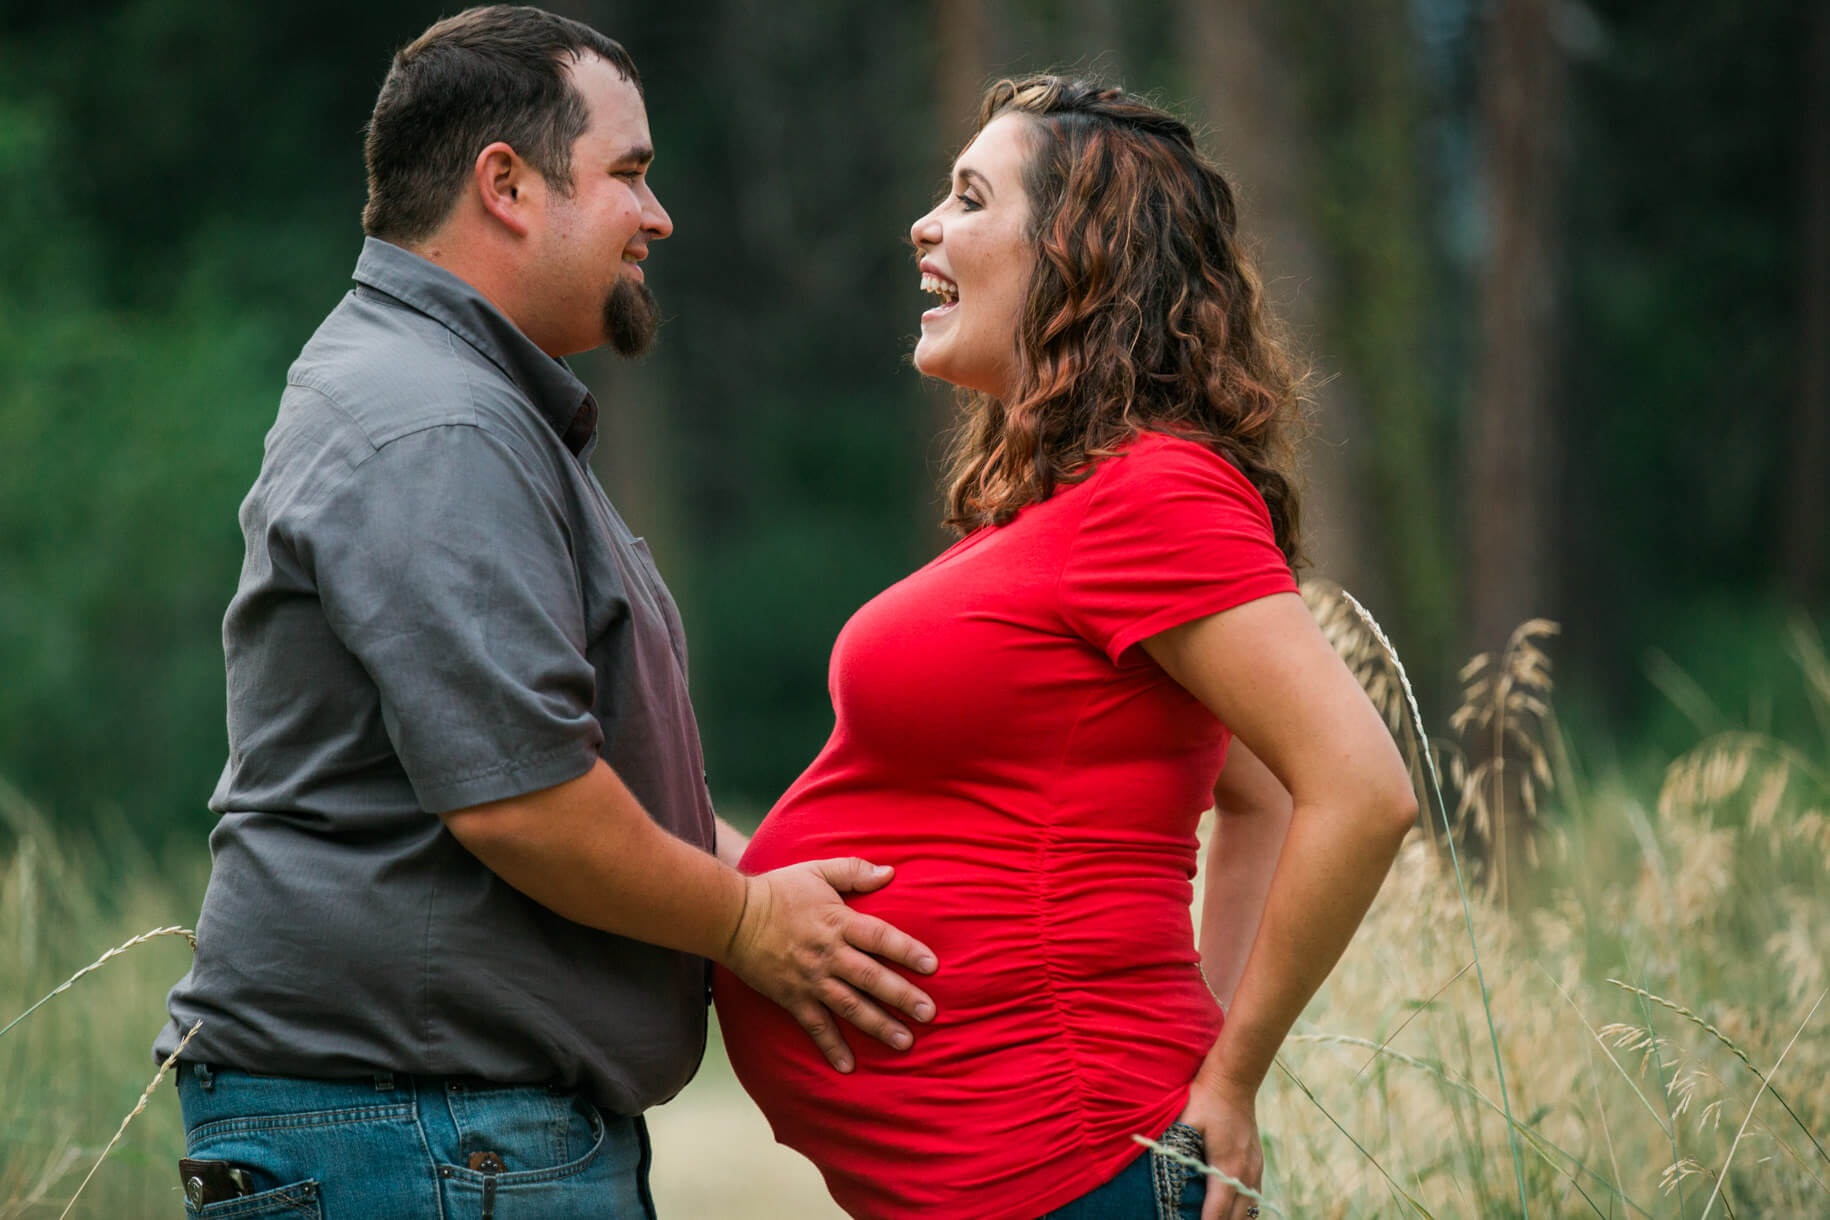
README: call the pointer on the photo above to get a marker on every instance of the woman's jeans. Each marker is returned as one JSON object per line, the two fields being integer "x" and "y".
{"x": 412, "y": 1147}
{"x": 1152, "y": 1187}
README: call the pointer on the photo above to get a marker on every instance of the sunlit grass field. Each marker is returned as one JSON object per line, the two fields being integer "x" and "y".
{"x": 1633, "y": 1029}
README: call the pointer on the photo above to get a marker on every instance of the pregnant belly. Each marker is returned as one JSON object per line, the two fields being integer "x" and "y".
{"x": 1025, "y": 1078}
{"x": 1070, "y": 1005}
{"x": 997, "y": 898}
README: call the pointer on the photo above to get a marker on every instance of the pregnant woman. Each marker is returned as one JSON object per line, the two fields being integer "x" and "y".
{"x": 1030, "y": 726}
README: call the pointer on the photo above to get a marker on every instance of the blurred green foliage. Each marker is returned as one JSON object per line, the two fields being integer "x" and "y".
{"x": 183, "y": 186}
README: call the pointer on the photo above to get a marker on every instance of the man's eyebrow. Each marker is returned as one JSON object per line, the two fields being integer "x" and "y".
{"x": 967, "y": 174}
{"x": 636, "y": 157}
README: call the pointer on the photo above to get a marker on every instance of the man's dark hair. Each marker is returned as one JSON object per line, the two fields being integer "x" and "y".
{"x": 492, "y": 73}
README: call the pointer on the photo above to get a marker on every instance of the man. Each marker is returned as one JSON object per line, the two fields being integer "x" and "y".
{"x": 464, "y": 882}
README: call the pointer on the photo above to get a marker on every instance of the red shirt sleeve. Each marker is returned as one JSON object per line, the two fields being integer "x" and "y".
{"x": 1172, "y": 532}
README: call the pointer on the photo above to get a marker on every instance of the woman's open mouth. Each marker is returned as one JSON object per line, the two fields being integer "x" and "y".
{"x": 946, "y": 289}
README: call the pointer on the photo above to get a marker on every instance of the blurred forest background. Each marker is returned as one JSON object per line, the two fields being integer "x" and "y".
{"x": 1561, "y": 265}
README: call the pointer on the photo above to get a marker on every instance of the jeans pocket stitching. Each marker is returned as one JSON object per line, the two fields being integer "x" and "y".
{"x": 204, "y": 1132}
{"x": 531, "y": 1177}
{"x": 300, "y": 1198}
{"x": 559, "y": 1137}
{"x": 1166, "y": 1177}
{"x": 1169, "y": 1177}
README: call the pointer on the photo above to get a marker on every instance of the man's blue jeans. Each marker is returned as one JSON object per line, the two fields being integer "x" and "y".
{"x": 412, "y": 1147}
{"x": 1152, "y": 1187}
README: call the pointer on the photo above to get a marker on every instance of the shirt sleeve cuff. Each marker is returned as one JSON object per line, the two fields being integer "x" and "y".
{"x": 1190, "y": 609}
{"x": 510, "y": 778}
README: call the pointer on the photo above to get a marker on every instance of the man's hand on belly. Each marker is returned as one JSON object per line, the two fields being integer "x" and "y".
{"x": 800, "y": 945}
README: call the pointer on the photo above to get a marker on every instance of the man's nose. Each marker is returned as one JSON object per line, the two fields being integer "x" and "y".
{"x": 655, "y": 220}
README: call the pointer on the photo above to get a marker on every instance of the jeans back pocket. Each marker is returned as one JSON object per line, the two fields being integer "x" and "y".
{"x": 1180, "y": 1189}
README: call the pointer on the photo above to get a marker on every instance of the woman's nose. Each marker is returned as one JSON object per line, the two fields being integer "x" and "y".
{"x": 926, "y": 231}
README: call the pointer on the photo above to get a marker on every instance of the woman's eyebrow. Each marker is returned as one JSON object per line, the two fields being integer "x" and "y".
{"x": 966, "y": 173}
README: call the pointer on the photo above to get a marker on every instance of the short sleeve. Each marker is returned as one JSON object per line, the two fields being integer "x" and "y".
{"x": 1172, "y": 532}
{"x": 443, "y": 564}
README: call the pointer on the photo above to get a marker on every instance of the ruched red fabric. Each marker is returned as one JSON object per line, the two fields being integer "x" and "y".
{"x": 1036, "y": 780}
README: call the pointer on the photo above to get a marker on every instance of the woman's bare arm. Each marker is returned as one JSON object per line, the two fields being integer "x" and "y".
{"x": 1251, "y": 817}
{"x": 1266, "y": 671}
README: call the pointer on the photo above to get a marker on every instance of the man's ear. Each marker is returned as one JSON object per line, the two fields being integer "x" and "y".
{"x": 506, "y": 186}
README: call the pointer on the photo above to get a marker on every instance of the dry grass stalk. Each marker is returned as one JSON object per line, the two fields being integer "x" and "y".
{"x": 1480, "y": 976}
{"x": 1691, "y": 1017}
{"x": 1196, "y": 1163}
{"x": 1412, "y": 1016}
{"x": 1600, "y": 1037}
{"x": 1765, "y": 1086}
{"x": 1360, "y": 650}
{"x": 1718, "y": 769}
{"x": 131, "y": 1115}
{"x": 49, "y": 1175}
{"x": 1808, "y": 649}
{"x": 101, "y": 961}
{"x": 1504, "y": 720}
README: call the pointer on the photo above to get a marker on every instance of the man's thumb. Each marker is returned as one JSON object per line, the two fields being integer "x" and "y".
{"x": 850, "y": 875}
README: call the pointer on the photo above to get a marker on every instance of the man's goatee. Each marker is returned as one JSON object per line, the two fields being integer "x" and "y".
{"x": 630, "y": 317}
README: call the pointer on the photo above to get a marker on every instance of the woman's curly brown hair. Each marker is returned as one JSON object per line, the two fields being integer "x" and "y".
{"x": 1142, "y": 314}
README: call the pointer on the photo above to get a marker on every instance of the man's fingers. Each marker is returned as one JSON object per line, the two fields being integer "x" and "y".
{"x": 825, "y": 1034}
{"x": 850, "y": 875}
{"x": 850, "y": 1006}
{"x": 884, "y": 985}
{"x": 880, "y": 939}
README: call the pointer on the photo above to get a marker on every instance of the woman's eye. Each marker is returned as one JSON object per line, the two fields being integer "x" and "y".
{"x": 968, "y": 202}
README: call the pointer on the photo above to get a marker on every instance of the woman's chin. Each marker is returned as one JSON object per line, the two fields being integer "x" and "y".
{"x": 928, "y": 363}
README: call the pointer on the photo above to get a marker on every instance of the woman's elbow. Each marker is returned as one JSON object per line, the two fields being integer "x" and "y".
{"x": 1392, "y": 804}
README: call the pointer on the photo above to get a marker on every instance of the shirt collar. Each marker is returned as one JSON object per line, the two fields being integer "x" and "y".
{"x": 556, "y": 392}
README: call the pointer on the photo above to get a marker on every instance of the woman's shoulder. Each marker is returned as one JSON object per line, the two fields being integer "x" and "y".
{"x": 1151, "y": 460}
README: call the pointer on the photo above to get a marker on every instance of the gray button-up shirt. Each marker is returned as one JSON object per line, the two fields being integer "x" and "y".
{"x": 438, "y": 607}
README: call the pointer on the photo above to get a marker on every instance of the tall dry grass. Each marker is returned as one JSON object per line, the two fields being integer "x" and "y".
{"x": 1622, "y": 1019}
{"x": 74, "y": 1067}
{"x": 1653, "y": 1024}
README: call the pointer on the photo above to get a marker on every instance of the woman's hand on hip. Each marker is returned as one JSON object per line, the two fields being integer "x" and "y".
{"x": 1227, "y": 1119}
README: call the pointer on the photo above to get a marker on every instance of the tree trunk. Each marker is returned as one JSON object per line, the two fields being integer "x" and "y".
{"x": 1511, "y": 443}
{"x": 1244, "y": 89}
{"x": 1380, "y": 322}
{"x": 1807, "y": 506}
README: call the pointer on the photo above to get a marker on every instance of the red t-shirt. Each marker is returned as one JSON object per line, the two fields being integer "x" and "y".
{"x": 1036, "y": 781}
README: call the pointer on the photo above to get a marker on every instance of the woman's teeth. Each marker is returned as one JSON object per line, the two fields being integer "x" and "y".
{"x": 948, "y": 292}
